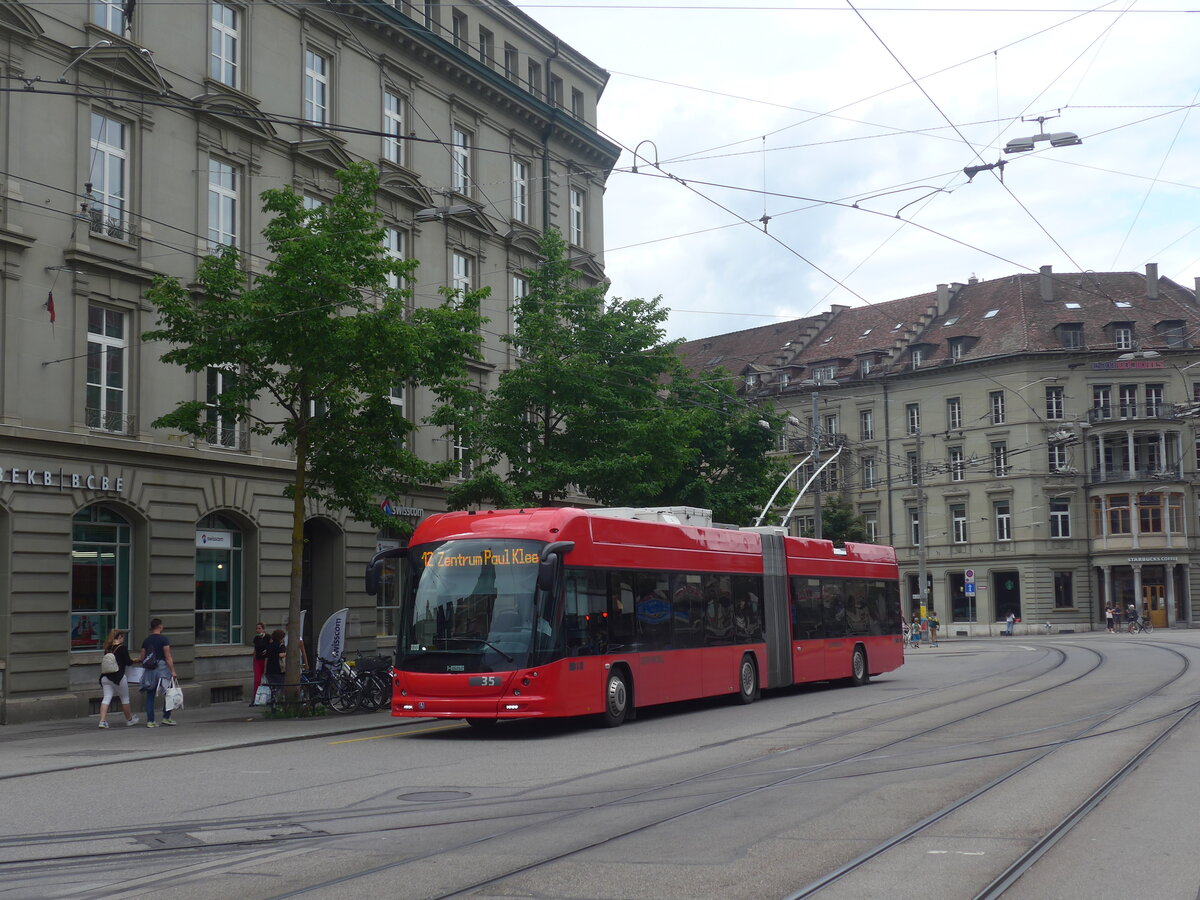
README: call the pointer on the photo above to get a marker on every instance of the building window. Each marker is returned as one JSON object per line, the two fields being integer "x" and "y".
{"x": 460, "y": 159}
{"x": 958, "y": 523}
{"x": 864, "y": 367}
{"x": 431, "y": 15}
{"x": 223, "y": 431}
{"x": 954, "y": 414}
{"x": 914, "y": 526}
{"x": 996, "y": 407}
{"x": 1003, "y": 514}
{"x": 1060, "y": 519}
{"x": 1150, "y": 513}
{"x": 520, "y": 190}
{"x": 1064, "y": 590}
{"x": 106, "y": 344}
{"x": 535, "y": 78}
{"x": 912, "y": 418}
{"x": 958, "y": 463}
{"x": 218, "y": 581}
{"x": 1154, "y": 400}
{"x": 487, "y": 47}
{"x": 866, "y": 425}
{"x": 872, "y": 526}
{"x": 806, "y": 526}
{"x": 458, "y": 29}
{"x": 1175, "y": 513}
{"x": 1127, "y": 401}
{"x": 107, "y": 175}
{"x": 461, "y": 275}
{"x": 868, "y": 471}
{"x": 577, "y": 103}
{"x": 109, "y": 14}
{"x": 100, "y": 557}
{"x": 1123, "y": 337}
{"x": 577, "y": 216}
{"x": 958, "y": 346}
{"x": 393, "y": 128}
{"x": 397, "y": 396}
{"x": 316, "y": 87}
{"x": 1119, "y": 519}
{"x": 1057, "y": 459}
{"x": 1072, "y": 336}
{"x": 556, "y": 91}
{"x": 918, "y": 357}
{"x": 223, "y": 55}
{"x": 1102, "y": 400}
{"x": 511, "y": 62}
{"x": 460, "y": 452}
{"x": 394, "y": 246}
{"x": 914, "y": 468}
{"x": 1054, "y": 403}
{"x": 224, "y": 198}
{"x": 1000, "y": 459}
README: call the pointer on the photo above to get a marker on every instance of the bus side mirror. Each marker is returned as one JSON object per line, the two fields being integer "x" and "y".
{"x": 548, "y": 567}
{"x": 375, "y": 567}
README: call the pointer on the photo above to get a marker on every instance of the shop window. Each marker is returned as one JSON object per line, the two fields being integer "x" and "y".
{"x": 100, "y": 558}
{"x": 218, "y": 581}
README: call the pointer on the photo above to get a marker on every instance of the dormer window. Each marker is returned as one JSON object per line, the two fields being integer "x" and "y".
{"x": 1071, "y": 336}
{"x": 824, "y": 374}
{"x": 751, "y": 379}
{"x": 865, "y": 366}
{"x": 1173, "y": 333}
{"x": 1123, "y": 337}
{"x": 957, "y": 348}
{"x": 918, "y": 357}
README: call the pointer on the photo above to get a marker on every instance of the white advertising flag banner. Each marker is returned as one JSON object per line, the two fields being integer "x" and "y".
{"x": 332, "y": 642}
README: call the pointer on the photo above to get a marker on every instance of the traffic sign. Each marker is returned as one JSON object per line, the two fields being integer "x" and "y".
{"x": 969, "y": 589}
{"x": 970, "y": 576}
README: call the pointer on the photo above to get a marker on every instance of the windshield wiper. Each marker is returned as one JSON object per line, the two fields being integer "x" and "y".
{"x": 481, "y": 641}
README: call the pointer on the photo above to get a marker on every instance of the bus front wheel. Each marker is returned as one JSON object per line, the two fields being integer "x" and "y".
{"x": 616, "y": 699}
{"x": 747, "y": 681}
{"x": 858, "y": 667}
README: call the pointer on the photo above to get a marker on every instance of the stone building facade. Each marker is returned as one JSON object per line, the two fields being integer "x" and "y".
{"x": 1029, "y": 442}
{"x": 142, "y": 139}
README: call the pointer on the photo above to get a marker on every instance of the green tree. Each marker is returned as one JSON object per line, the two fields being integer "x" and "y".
{"x": 585, "y": 405}
{"x": 315, "y": 345}
{"x": 728, "y": 467}
{"x": 839, "y": 521}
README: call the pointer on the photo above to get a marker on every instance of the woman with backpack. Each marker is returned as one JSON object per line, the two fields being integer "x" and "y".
{"x": 112, "y": 676}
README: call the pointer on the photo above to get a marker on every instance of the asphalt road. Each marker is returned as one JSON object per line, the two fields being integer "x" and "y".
{"x": 1056, "y": 766}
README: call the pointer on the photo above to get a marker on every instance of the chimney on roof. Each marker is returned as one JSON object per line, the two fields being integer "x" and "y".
{"x": 943, "y": 298}
{"x": 972, "y": 279}
{"x": 1047, "y": 284}
{"x": 1152, "y": 281}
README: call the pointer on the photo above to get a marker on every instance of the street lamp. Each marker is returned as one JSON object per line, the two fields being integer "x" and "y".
{"x": 1055, "y": 139}
{"x": 437, "y": 213}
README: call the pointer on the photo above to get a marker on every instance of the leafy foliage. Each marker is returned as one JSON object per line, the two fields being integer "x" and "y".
{"x": 314, "y": 346}
{"x": 839, "y": 521}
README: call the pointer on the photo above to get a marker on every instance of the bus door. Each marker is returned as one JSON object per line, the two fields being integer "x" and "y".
{"x": 808, "y": 630}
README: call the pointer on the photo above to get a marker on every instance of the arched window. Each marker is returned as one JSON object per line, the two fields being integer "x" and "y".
{"x": 100, "y": 553}
{"x": 218, "y": 581}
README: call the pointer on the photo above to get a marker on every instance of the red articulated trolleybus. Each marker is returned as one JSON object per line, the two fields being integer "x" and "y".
{"x": 531, "y": 613}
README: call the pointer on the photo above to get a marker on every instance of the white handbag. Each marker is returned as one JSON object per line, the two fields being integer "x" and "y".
{"x": 174, "y": 696}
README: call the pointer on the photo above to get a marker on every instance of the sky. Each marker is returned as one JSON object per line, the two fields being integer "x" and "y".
{"x": 849, "y": 127}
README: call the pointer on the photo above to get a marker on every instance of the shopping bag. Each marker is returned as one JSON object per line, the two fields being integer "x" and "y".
{"x": 262, "y": 697}
{"x": 174, "y": 696}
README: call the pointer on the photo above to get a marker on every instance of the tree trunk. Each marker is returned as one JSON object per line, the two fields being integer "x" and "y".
{"x": 295, "y": 636}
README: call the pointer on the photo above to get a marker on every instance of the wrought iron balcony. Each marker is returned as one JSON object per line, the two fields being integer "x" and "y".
{"x": 228, "y": 437}
{"x": 1110, "y": 476}
{"x": 1132, "y": 412}
{"x": 112, "y": 422}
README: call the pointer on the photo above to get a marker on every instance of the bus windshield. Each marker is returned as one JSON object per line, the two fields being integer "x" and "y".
{"x": 475, "y": 608}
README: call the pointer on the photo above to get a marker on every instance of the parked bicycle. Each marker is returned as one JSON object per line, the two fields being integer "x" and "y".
{"x": 332, "y": 684}
{"x": 374, "y": 676}
{"x": 1142, "y": 624}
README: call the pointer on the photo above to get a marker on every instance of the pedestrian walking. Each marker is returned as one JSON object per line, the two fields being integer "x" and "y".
{"x": 1108, "y": 618}
{"x": 914, "y": 634}
{"x": 262, "y": 641}
{"x": 935, "y": 626}
{"x": 157, "y": 665}
{"x": 1009, "y": 621}
{"x": 113, "y": 678}
{"x": 276, "y": 651}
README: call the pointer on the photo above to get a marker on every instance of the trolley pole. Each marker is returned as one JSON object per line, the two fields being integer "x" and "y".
{"x": 816, "y": 437}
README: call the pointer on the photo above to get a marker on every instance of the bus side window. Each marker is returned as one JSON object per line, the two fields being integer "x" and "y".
{"x": 747, "y": 608}
{"x": 585, "y": 621}
{"x": 718, "y": 601}
{"x": 807, "y": 609}
{"x": 834, "y": 601}
{"x": 621, "y": 609}
{"x": 687, "y": 611}
{"x": 653, "y": 621}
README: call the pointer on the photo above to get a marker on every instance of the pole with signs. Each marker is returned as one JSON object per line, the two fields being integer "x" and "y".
{"x": 969, "y": 590}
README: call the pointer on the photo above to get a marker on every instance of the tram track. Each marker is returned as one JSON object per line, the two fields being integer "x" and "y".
{"x": 514, "y": 821}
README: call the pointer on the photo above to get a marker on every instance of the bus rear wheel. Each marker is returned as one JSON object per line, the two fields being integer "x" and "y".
{"x": 858, "y": 667}
{"x": 616, "y": 700}
{"x": 747, "y": 681}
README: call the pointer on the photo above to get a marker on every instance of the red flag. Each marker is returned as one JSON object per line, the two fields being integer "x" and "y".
{"x": 49, "y": 304}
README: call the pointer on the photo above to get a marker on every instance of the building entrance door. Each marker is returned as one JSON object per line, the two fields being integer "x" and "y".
{"x": 1154, "y": 599}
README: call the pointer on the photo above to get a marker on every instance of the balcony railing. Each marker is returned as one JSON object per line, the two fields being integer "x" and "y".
{"x": 1132, "y": 412}
{"x": 115, "y": 227}
{"x": 112, "y": 422}
{"x": 825, "y": 442}
{"x": 228, "y": 438}
{"x": 1167, "y": 473}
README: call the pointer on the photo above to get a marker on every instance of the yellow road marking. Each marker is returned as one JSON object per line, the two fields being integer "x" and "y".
{"x": 376, "y": 737}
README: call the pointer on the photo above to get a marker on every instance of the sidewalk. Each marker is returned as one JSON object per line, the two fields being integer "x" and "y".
{"x": 65, "y": 745}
